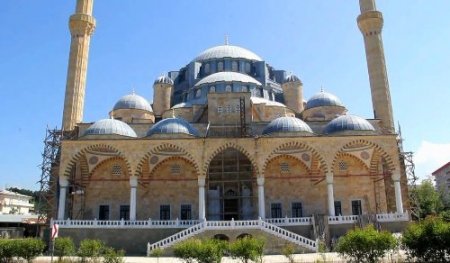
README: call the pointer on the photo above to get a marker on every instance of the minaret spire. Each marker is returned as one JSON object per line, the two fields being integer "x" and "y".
{"x": 370, "y": 22}
{"x": 82, "y": 25}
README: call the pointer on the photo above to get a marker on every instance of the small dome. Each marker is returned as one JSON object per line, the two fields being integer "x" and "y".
{"x": 227, "y": 51}
{"x": 286, "y": 124}
{"x": 291, "y": 78}
{"x": 228, "y": 77}
{"x": 173, "y": 126}
{"x": 323, "y": 99}
{"x": 110, "y": 127}
{"x": 348, "y": 123}
{"x": 163, "y": 80}
{"x": 133, "y": 101}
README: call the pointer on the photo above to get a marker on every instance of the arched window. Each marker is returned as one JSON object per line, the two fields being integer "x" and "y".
{"x": 228, "y": 88}
{"x": 207, "y": 68}
{"x": 212, "y": 89}
{"x": 244, "y": 88}
{"x": 234, "y": 66}
{"x": 198, "y": 93}
{"x": 220, "y": 66}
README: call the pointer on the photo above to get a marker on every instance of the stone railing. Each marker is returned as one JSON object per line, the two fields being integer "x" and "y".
{"x": 288, "y": 221}
{"x": 334, "y": 220}
{"x": 394, "y": 217}
{"x": 233, "y": 225}
{"x": 125, "y": 223}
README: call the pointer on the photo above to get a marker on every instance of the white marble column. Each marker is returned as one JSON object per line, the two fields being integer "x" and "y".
{"x": 330, "y": 191}
{"x": 201, "y": 199}
{"x": 261, "y": 199}
{"x": 133, "y": 190}
{"x": 398, "y": 193}
{"x": 63, "y": 184}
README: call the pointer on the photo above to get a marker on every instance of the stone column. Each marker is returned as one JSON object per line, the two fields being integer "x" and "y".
{"x": 398, "y": 193}
{"x": 330, "y": 192}
{"x": 201, "y": 199}
{"x": 133, "y": 186}
{"x": 261, "y": 199}
{"x": 63, "y": 184}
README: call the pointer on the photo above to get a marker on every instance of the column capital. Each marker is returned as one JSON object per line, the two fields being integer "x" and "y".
{"x": 133, "y": 181}
{"x": 395, "y": 176}
{"x": 329, "y": 177}
{"x": 260, "y": 181}
{"x": 201, "y": 181}
{"x": 63, "y": 181}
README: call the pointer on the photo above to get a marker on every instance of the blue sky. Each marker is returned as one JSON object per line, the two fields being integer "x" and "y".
{"x": 135, "y": 41}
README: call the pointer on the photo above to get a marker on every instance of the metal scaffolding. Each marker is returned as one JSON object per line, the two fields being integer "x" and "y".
{"x": 412, "y": 180}
{"x": 46, "y": 207}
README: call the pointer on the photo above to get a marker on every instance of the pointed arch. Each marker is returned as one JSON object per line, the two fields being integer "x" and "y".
{"x": 162, "y": 152}
{"x": 233, "y": 146}
{"x": 377, "y": 154}
{"x": 317, "y": 162}
{"x": 101, "y": 149}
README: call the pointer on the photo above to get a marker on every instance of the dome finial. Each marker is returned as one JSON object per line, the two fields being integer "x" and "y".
{"x": 226, "y": 40}
{"x": 133, "y": 91}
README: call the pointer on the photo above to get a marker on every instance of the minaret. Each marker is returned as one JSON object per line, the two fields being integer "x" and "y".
{"x": 370, "y": 22}
{"x": 81, "y": 25}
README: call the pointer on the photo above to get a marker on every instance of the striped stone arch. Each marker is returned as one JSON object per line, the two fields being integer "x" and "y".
{"x": 287, "y": 156}
{"x": 377, "y": 153}
{"x": 343, "y": 154}
{"x": 107, "y": 160}
{"x": 159, "y": 164}
{"x": 101, "y": 148}
{"x": 223, "y": 148}
{"x": 317, "y": 159}
{"x": 169, "y": 150}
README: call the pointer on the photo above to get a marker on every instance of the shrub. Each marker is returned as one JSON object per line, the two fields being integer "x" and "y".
{"x": 110, "y": 255}
{"x": 8, "y": 250}
{"x": 365, "y": 245}
{"x": 210, "y": 251}
{"x": 428, "y": 240}
{"x": 246, "y": 249}
{"x": 157, "y": 253}
{"x": 186, "y": 250}
{"x": 288, "y": 251}
{"x": 64, "y": 247}
{"x": 90, "y": 250}
{"x": 30, "y": 248}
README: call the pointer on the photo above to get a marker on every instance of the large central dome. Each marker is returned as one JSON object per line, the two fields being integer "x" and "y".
{"x": 227, "y": 51}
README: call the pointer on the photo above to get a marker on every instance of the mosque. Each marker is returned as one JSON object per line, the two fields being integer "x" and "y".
{"x": 229, "y": 147}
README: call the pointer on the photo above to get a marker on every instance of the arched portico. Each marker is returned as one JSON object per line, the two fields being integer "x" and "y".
{"x": 231, "y": 187}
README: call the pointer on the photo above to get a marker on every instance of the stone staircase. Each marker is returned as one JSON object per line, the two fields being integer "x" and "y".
{"x": 266, "y": 227}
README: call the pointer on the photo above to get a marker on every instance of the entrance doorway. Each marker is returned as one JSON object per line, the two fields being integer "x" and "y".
{"x": 230, "y": 185}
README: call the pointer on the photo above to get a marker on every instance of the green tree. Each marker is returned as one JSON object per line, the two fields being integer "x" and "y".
{"x": 64, "y": 246}
{"x": 247, "y": 248}
{"x": 110, "y": 255}
{"x": 430, "y": 201}
{"x": 428, "y": 240}
{"x": 186, "y": 250}
{"x": 365, "y": 245}
{"x": 90, "y": 250}
{"x": 30, "y": 248}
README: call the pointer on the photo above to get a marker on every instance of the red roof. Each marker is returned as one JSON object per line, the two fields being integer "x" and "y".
{"x": 442, "y": 167}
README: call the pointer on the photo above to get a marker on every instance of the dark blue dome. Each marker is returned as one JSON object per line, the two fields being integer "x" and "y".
{"x": 173, "y": 126}
{"x": 286, "y": 124}
{"x": 110, "y": 127}
{"x": 348, "y": 123}
{"x": 323, "y": 99}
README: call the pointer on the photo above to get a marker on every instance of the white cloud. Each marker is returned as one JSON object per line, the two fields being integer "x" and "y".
{"x": 429, "y": 157}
